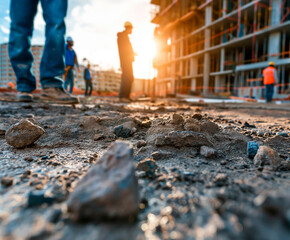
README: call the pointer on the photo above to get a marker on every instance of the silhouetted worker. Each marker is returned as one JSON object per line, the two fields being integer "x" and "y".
{"x": 88, "y": 80}
{"x": 127, "y": 57}
{"x": 270, "y": 78}
{"x": 71, "y": 61}
{"x": 22, "y": 13}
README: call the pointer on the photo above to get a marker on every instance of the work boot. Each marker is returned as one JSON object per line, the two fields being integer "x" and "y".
{"x": 58, "y": 95}
{"x": 24, "y": 97}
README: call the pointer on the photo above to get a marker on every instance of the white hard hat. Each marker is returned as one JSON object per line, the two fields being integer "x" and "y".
{"x": 69, "y": 39}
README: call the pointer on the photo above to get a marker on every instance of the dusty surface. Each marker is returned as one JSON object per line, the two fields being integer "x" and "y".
{"x": 224, "y": 196}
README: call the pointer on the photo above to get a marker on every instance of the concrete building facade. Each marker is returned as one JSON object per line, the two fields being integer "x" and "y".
{"x": 212, "y": 47}
{"x": 6, "y": 72}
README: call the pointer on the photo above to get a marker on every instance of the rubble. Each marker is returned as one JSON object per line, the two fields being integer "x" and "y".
{"x": 109, "y": 190}
{"x": 23, "y": 134}
{"x": 252, "y": 149}
{"x": 207, "y": 152}
{"x": 267, "y": 156}
{"x": 125, "y": 130}
{"x": 7, "y": 181}
{"x": 194, "y": 174}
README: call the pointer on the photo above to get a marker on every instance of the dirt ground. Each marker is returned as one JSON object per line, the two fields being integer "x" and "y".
{"x": 189, "y": 197}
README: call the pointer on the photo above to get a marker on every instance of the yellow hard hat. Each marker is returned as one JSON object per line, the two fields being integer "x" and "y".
{"x": 128, "y": 24}
{"x": 271, "y": 64}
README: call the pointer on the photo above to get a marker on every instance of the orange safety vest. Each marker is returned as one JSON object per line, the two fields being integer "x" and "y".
{"x": 269, "y": 75}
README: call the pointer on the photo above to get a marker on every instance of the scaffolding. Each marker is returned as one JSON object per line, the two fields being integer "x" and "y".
{"x": 216, "y": 46}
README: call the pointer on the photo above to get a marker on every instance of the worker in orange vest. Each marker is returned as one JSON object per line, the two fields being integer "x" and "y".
{"x": 270, "y": 78}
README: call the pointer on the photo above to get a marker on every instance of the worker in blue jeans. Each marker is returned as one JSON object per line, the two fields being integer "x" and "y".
{"x": 22, "y": 13}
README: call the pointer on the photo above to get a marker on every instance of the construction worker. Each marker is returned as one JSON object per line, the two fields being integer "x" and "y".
{"x": 127, "y": 57}
{"x": 22, "y": 14}
{"x": 71, "y": 61}
{"x": 270, "y": 78}
{"x": 88, "y": 80}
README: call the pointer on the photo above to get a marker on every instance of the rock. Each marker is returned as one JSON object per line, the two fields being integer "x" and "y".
{"x": 7, "y": 181}
{"x": 180, "y": 139}
{"x": 141, "y": 143}
{"x": 191, "y": 124}
{"x": 252, "y": 149}
{"x": 177, "y": 119}
{"x": 221, "y": 179}
{"x": 37, "y": 198}
{"x": 267, "y": 156}
{"x": 89, "y": 122}
{"x": 148, "y": 166}
{"x": 209, "y": 127}
{"x": 99, "y": 137}
{"x": 109, "y": 190}
{"x": 283, "y": 134}
{"x": 2, "y": 132}
{"x": 207, "y": 152}
{"x": 23, "y": 134}
{"x": 125, "y": 130}
{"x": 247, "y": 125}
{"x": 159, "y": 155}
{"x": 197, "y": 116}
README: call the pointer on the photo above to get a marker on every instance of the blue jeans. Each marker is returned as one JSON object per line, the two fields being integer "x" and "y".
{"x": 269, "y": 92}
{"x": 69, "y": 81}
{"x": 22, "y": 13}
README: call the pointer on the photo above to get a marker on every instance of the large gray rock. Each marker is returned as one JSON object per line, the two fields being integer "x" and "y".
{"x": 109, "y": 190}
{"x": 23, "y": 134}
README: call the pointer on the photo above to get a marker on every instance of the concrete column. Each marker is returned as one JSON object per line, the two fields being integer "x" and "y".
{"x": 206, "y": 71}
{"x": 217, "y": 84}
{"x": 276, "y": 12}
{"x": 206, "y": 68}
{"x": 274, "y": 46}
{"x": 222, "y": 66}
{"x": 193, "y": 72}
{"x": 224, "y": 7}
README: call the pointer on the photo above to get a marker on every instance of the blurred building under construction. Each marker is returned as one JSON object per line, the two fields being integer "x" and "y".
{"x": 220, "y": 47}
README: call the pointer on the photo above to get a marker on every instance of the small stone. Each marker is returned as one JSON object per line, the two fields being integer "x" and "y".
{"x": 148, "y": 165}
{"x": 186, "y": 139}
{"x": 37, "y": 198}
{"x": 247, "y": 125}
{"x": 98, "y": 137}
{"x": 141, "y": 143}
{"x": 197, "y": 116}
{"x": 177, "y": 119}
{"x": 221, "y": 179}
{"x": 2, "y": 132}
{"x": 283, "y": 134}
{"x": 23, "y": 134}
{"x": 7, "y": 181}
{"x": 267, "y": 156}
{"x": 159, "y": 155}
{"x": 110, "y": 188}
{"x": 252, "y": 149}
{"x": 125, "y": 130}
{"x": 207, "y": 152}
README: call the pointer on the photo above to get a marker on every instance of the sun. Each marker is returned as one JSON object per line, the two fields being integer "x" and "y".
{"x": 145, "y": 48}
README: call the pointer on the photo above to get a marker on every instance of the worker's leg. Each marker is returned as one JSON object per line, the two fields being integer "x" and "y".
{"x": 271, "y": 92}
{"x": 91, "y": 87}
{"x": 87, "y": 87}
{"x": 52, "y": 63}
{"x": 22, "y": 13}
{"x": 71, "y": 87}
{"x": 126, "y": 81}
{"x": 69, "y": 79}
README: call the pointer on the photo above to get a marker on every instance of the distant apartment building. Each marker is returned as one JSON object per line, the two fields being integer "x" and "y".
{"x": 6, "y": 72}
{"x": 213, "y": 47}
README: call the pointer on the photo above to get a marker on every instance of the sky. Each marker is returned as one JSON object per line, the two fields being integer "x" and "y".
{"x": 94, "y": 24}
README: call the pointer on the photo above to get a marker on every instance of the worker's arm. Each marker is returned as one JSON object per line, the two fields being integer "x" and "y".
{"x": 76, "y": 62}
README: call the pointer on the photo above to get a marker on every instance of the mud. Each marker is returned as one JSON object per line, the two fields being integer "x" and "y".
{"x": 189, "y": 196}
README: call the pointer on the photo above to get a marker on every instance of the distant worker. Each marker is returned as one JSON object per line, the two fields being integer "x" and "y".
{"x": 88, "y": 80}
{"x": 127, "y": 57}
{"x": 270, "y": 78}
{"x": 22, "y": 14}
{"x": 71, "y": 61}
